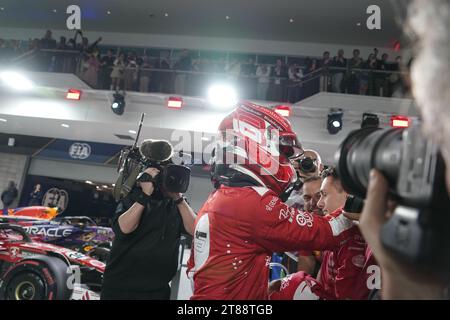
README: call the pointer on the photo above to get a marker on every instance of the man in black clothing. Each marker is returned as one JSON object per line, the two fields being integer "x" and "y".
{"x": 9, "y": 195}
{"x": 338, "y": 78}
{"x": 144, "y": 254}
{"x": 106, "y": 65}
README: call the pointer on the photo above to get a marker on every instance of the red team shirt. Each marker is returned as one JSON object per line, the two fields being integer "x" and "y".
{"x": 343, "y": 275}
{"x": 236, "y": 232}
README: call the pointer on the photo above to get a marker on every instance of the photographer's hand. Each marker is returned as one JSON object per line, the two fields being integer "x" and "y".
{"x": 187, "y": 214}
{"x": 400, "y": 280}
{"x": 148, "y": 187}
{"x": 129, "y": 220}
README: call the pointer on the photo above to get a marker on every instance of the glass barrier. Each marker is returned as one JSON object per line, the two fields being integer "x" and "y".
{"x": 252, "y": 81}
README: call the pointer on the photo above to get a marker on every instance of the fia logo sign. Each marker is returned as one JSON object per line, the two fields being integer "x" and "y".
{"x": 80, "y": 151}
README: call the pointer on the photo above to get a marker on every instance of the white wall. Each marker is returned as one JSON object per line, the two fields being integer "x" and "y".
{"x": 202, "y": 43}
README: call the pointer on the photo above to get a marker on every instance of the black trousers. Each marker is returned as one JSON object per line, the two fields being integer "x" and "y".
{"x": 160, "y": 294}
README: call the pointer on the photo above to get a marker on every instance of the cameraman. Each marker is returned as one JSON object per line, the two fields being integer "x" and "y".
{"x": 430, "y": 21}
{"x": 144, "y": 254}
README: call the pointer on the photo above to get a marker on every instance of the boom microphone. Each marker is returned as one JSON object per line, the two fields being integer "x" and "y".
{"x": 156, "y": 150}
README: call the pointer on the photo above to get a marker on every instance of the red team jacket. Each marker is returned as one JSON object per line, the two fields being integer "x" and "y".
{"x": 237, "y": 230}
{"x": 344, "y": 274}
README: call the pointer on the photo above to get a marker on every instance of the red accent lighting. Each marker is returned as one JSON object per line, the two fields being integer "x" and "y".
{"x": 399, "y": 122}
{"x": 73, "y": 94}
{"x": 175, "y": 103}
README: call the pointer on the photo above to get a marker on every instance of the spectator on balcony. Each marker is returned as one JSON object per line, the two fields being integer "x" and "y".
{"x": 367, "y": 82}
{"x": 183, "y": 64}
{"x": 325, "y": 79}
{"x": 164, "y": 78}
{"x": 395, "y": 79}
{"x": 248, "y": 78}
{"x": 131, "y": 71}
{"x": 381, "y": 77}
{"x": 294, "y": 87}
{"x": 338, "y": 75}
{"x": 106, "y": 67}
{"x": 263, "y": 74}
{"x": 354, "y": 76}
{"x": 375, "y": 53}
{"x": 47, "y": 42}
{"x": 92, "y": 65}
{"x": 279, "y": 77}
{"x": 62, "y": 45}
{"x": 145, "y": 74}
{"x": 118, "y": 72}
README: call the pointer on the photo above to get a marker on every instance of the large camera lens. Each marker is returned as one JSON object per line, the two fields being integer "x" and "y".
{"x": 307, "y": 165}
{"x": 365, "y": 149}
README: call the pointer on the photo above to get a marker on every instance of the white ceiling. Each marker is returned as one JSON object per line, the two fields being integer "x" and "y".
{"x": 327, "y": 21}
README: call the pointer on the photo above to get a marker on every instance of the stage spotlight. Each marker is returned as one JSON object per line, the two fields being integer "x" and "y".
{"x": 370, "y": 120}
{"x": 222, "y": 96}
{"x": 334, "y": 122}
{"x": 118, "y": 105}
{"x": 16, "y": 81}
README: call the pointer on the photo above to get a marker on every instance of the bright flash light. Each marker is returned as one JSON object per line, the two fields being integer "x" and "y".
{"x": 16, "y": 81}
{"x": 336, "y": 124}
{"x": 222, "y": 96}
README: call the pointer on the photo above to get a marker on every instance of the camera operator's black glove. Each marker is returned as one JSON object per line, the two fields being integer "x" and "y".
{"x": 137, "y": 195}
{"x": 145, "y": 177}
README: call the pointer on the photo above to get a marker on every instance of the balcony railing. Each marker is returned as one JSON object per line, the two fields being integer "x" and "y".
{"x": 196, "y": 83}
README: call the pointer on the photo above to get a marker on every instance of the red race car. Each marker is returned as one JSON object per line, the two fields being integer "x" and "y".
{"x": 31, "y": 270}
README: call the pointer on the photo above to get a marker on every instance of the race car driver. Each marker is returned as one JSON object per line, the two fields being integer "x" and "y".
{"x": 244, "y": 220}
{"x": 343, "y": 274}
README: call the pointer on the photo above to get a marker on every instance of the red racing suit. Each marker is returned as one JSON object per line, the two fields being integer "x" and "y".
{"x": 344, "y": 273}
{"x": 236, "y": 232}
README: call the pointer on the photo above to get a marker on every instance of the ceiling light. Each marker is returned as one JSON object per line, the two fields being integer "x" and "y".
{"x": 118, "y": 105}
{"x": 166, "y": 14}
{"x": 54, "y": 10}
{"x": 227, "y": 17}
{"x": 3, "y": 120}
{"x": 105, "y": 186}
{"x": 334, "y": 122}
{"x": 132, "y": 131}
{"x": 1, "y": 8}
{"x": 16, "y": 81}
{"x": 64, "y": 125}
{"x": 89, "y": 182}
{"x": 222, "y": 96}
{"x": 291, "y": 20}
{"x": 108, "y": 12}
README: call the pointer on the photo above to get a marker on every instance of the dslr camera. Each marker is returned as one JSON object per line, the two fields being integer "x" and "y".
{"x": 415, "y": 170}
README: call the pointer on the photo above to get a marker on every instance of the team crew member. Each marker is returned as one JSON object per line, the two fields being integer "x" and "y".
{"x": 244, "y": 221}
{"x": 343, "y": 274}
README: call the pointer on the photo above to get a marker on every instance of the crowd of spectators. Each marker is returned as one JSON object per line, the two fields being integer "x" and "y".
{"x": 188, "y": 74}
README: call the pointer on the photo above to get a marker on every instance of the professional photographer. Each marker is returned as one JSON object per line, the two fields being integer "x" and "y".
{"x": 308, "y": 168}
{"x": 429, "y": 276}
{"x": 148, "y": 224}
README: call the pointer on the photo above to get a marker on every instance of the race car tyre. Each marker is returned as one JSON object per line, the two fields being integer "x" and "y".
{"x": 37, "y": 278}
{"x": 26, "y": 286}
